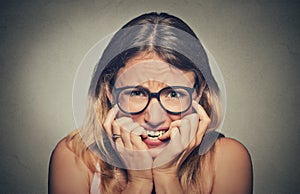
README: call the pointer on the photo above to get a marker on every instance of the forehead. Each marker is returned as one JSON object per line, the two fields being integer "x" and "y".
{"x": 145, "y": 68}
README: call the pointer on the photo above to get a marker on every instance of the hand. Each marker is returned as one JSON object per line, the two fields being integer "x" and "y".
{"x": 132, "y": 150}
{"x": 184, "y": 135}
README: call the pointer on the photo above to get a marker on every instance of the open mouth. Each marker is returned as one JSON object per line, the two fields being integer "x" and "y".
{"x": 154, "y": 135}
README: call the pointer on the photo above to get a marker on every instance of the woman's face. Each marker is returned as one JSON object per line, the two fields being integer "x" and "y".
{"x": 149, "y": 72}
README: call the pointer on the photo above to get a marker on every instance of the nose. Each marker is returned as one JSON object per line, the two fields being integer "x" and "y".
{"x": 155, "y": 115}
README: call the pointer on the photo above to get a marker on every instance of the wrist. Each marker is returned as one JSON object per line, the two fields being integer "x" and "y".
{"x": 139, "y": 181}
{"x": 165, "y": 178}
{"x": 143, "y": 176}
{"x": 138, "y": 185}
{"x": 161, "y": 172}
{"x": 167, "y": 183}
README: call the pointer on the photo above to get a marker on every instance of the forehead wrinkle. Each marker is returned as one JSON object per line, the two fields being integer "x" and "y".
{"x": 144, "y": 70}
{"x": 154, "y": 85}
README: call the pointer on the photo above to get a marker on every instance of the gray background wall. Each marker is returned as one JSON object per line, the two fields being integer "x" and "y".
{"x": 256, "y": 44}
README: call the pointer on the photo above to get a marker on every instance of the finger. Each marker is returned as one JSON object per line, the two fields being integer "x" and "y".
{"x": 116, "y": 130}
{"x": 118, "y": 141}
{"x": 111, "y": 115}
{"x": 202, "y": 128}
{"x": 119, "y": 144}
{"x": 127, "y": 125}
{"x": 189, "y": 126}
{"x": 136, "y": 138}
{"x": 139, "y": 131}
{"x": 125, "y": 136}
{"x": 203, "y": 124}
{"x": 137, "y": 142}
{"x": 200, "y": 111}
{"x": 193, "y": 121}
{"x": 167, "y": 135}
{"x": 189, "y": 139}
{"x": 130, "y": 126}
{"x": 185, "y": 132}
{"x": 175, "y": 140}
{"x": 124, "y": 121}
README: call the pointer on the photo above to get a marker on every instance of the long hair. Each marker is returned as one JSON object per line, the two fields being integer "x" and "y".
{"x": 148, "y": 33}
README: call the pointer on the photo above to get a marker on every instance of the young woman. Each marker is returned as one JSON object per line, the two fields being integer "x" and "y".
{"x": 154, "y": 108}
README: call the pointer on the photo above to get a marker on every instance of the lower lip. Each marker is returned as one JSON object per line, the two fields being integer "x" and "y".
{"x": 154, "y": 143}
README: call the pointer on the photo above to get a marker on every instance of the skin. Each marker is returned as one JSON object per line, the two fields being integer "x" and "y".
{"x": 233, "y": 169}
{"x": 158, "y": 75}
{"x": 179, "y": 138}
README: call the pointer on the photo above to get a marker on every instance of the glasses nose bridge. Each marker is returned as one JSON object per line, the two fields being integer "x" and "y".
{"x": 154, "y": 95}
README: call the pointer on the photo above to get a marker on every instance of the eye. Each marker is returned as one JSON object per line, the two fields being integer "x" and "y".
{"x": 176, "y": 94}
{"x": 172, "y": 94}
{"x": 137, "y": 93}
{"x": 134, "y": 93}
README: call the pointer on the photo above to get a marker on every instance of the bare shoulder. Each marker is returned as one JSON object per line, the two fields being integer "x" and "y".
{"x": 228, "y": 147}
{"x": 233, "y": 167}
{"x": 67, "y": 172}
{"x": 63, "y": 154}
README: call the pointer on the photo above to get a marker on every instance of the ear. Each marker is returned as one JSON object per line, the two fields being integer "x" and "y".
{"x": 203, "y": 85}
{"x": 109, "y": 94}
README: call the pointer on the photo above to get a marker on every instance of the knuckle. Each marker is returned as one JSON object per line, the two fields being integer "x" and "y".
{"x": 115, "y": 124}
{"x": 122, "y": 120}
{"x": 106, "y": 125}
{"x": 132, "y": 136}
{"x": 206, "y": 120}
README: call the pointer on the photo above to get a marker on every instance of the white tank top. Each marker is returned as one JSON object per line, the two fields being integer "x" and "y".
{"x": 95, "y": 185}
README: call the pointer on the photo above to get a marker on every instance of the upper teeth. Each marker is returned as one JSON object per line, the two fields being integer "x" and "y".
{"x": 155, "y": 133}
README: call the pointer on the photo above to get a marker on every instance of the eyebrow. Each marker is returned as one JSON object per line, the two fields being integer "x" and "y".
{"x": 140, "y": 86}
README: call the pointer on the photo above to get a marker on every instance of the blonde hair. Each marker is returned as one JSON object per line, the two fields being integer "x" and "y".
{"x": 196, "y": 172}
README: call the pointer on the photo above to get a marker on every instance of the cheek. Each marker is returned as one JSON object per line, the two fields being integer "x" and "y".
{"x": 170, "y": 118}
{"x": 136, "y": 118}
{"x": 140, "y": 118}
{"x": 122, "y": 114}
{"x": 190, "y": 111}
{"x": 180, "y": 116}
{"x": 175, "y": 117}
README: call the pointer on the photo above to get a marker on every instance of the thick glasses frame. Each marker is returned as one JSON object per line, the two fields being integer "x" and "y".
{"x": 117, "y": 91}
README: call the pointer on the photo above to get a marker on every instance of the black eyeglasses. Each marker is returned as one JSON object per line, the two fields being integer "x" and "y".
{"x": 134, "y": 100}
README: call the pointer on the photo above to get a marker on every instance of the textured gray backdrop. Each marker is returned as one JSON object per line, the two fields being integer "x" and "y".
{"x": 256, "y": 44}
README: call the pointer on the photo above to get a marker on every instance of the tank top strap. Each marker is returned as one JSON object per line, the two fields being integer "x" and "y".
{"x": 95, "y": 185}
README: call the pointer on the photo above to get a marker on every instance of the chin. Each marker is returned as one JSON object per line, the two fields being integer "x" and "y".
{"x": 155, "y": 151}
